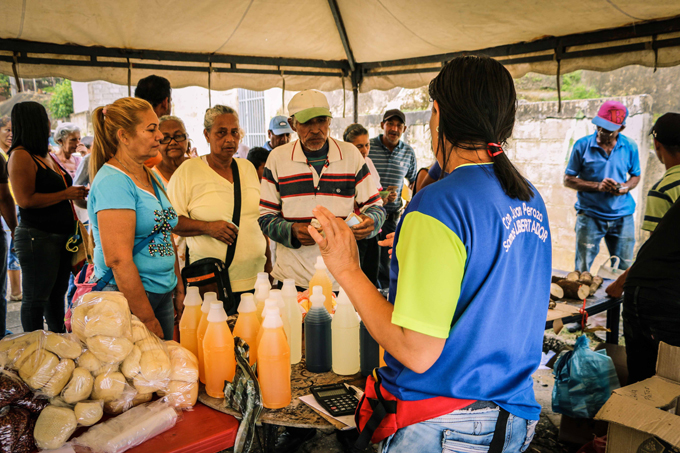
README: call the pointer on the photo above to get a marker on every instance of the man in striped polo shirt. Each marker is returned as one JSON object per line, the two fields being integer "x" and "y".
{"x": 666, "y": 191}
{"x": 313, "y": 170}
{"x": 394, "y": 160}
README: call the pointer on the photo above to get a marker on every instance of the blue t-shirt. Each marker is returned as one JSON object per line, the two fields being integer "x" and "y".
{"x": 435, "y": 171}
{"x": 472, "y": 265}
{"x": 590, "y": 162}
{"x": 113, "y": 189}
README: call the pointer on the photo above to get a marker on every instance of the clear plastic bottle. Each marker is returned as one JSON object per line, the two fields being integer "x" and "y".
{"x": 263, "y": 277}
{"x": 278, "y": 296}
{"x": 191, "y": 317}
{"x": 218, "y": 352}
{"x": 318, "y": 337}
{"x": 274, "y": 362}
{"x": 261, "y": 294}
{"x": 289, "y": 293}
{"x": 208, "y": 298}
{"x": 321, "y": 278}
{"x": 345, "y": 328}
{"x": 247, "y": 325}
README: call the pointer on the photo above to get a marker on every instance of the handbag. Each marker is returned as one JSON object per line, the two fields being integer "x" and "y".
{"x": 80, "y": 242}
{"x": 212, "y": 271}
{"x": 82, "y": 278}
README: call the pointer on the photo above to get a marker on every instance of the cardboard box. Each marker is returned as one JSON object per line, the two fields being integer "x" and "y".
{"x": 645, "y": 416}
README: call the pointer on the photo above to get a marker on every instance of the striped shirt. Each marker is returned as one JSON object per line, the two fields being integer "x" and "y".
{"x": 661, "y": 197}
{"x": 291, "y": 188}
{"x": 393, "y": 167}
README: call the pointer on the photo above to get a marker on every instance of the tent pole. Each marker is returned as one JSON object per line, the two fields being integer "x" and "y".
{"x": 355, "y": 95}
{"x": 357, "y": 77}
{"x": 129, "y": 78}
{"x": 343, "y": 33}
{"x": 210, "y": 84}
{"x": 16, "y": 74}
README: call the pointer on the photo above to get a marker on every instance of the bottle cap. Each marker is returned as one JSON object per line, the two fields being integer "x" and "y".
{"x": 271, "y": 303}
{"x": 247, "y": 304}
{"x": 193, "y": 297}
{"x": 342, "y": 298}
{"x": 319, "y": 263}
{"x": 289, "y": 289}
{"x": 272, "y": 318}
{"x": 262, "y": 277}
{"x": 276, "y": 294}
{"x": 261, "y": 291}
{"x": 207, "y": 299}
{"x": 217, "y": 313}
{"x": 317, "y": 298}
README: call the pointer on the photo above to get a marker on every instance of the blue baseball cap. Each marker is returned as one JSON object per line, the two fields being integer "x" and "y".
{"x": 279, "y": 125}
{"x": 611, "y": 116}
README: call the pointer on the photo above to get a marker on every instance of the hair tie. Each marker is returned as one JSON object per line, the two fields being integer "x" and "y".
{"x": 494, "y": 145}
{"x": 104, "y": 111}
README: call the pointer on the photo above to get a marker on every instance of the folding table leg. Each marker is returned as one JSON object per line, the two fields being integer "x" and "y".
{"x": 613, "y": 317}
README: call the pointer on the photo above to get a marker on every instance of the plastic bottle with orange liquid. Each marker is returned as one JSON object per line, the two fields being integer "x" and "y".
{"x": 274, "y": 362}
{"x": 321, "y": 278}
{"x": 278, "y": 296}
{"x": 247, "y": 325}
{"x": 289, "y": 293}
{"x": 191, "y": 317}
{"x": 269, "y": 303}
{"x": 208, "y": 298}
{"x": 218, "y": 352}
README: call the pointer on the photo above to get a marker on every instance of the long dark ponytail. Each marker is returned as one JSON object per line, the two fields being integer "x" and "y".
{"x": 477, "y": 106}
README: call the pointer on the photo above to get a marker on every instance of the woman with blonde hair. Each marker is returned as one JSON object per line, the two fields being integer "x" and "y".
{"x": 131, "y": 216}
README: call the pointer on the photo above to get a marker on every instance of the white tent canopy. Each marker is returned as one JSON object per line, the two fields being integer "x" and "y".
{"x": 327, "y": 44}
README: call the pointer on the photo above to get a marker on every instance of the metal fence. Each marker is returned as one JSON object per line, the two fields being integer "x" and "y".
{"x": 252, "y": 117}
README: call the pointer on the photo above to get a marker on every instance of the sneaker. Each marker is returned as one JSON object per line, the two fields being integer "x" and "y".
{"x": 15, "y": 298}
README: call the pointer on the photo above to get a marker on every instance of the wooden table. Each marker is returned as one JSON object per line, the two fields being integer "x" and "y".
{"x": 597, "y": 303}
{"x": 297, "y": 414}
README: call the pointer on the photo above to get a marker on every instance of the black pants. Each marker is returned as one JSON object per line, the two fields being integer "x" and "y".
{"x": 45, "y": 269}
{"x": 390, "y": 226}
{"x": 369, "y": 257}
{"x": 649, "y": 316}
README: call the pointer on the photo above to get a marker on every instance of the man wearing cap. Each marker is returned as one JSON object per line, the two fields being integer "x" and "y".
{"x": 313, "y": 170}
{"x": 604, "y": 167}
{"x": 279, "y": 132}
{"x": 666, "y": 191}
{"x": 394, "y": 160}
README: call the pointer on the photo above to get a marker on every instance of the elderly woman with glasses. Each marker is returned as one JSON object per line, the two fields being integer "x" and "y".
{"x": 202, "y": 192}
{"x": 174, "y": 146}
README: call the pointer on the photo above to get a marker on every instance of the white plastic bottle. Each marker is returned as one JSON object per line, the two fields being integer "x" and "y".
{"x": 261, "y": 294}
{"x": 345, "y": 334}
{"x": 263, "y": 277}
{"x": 276, "y": 294}
{"x": 289, "y": 293}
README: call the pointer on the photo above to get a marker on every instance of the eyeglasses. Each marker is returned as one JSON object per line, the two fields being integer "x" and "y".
{"x": 178, "y": 138}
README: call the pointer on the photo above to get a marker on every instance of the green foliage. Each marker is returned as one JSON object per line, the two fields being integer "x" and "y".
{"x": 574, "y": 88}
{"x": 61, "y": 104}
{"x": 4, "y": 86}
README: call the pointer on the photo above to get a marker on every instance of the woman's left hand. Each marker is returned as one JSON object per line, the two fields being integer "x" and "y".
{"x": 338, "y": 248}
{"x": 179, "y": 301}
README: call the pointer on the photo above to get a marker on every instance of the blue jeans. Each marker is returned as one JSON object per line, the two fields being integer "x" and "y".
{"x": 619, "y": 236}
{"x": 162, "y": 307}
{"x": 45, "y": 268}
{"x": 3, "y": 283}
{"x": 465, "y": 430}
{"x": 12, "y": 260}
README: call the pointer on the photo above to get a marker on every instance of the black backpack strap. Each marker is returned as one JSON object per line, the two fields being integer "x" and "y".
{"x": 236, "y": 216}
{"x": 498, "y": 440}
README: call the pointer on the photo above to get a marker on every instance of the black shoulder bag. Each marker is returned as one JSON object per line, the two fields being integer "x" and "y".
{"x": 212, "y": 271}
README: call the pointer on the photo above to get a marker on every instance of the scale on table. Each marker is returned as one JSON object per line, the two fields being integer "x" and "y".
{"x": 337, "y": 399}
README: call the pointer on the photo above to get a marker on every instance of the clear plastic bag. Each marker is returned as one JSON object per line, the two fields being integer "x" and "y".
{"x": 104, "y": 313}
{"x": 88, "y": 412}
{"x": 79, "y": 386}
{"x": 14, "y": 421}
{"x": 11, "y": 388}
{"x": 584, "y": 381}
{"x": 182, "y": 390}
{"x": 129, "y": 429}
{"x": 54, "y": 426}
{"x": 148, "y": 365}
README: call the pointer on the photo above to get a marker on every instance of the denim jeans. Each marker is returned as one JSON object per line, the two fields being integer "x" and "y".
{"x": 45, "y": 268}
{"x": 12, "y": 260}
{"x": 467, "y": 430}
{"x": 162, "y": 307}
{"x": 390, "y": 226}
{"x": 619, "y": 236}
{"x": 650, "y": 315}
{"x": 3, "y": 282}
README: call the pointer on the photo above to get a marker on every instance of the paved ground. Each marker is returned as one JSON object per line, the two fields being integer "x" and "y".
{"x": 13, "y": 317}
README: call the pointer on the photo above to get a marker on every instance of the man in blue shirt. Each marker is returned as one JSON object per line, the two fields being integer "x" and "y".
{"x": 279, "y": 132}
{"x": 604, "y": 167}
{"x": 394, "y": 160}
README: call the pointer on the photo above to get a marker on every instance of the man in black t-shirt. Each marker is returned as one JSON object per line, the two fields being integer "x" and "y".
{"x": 651, "y": 303}
{"x": 8, "y": 212}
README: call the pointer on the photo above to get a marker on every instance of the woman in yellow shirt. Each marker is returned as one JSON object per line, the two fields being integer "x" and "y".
{"x": 202, "y": 192}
